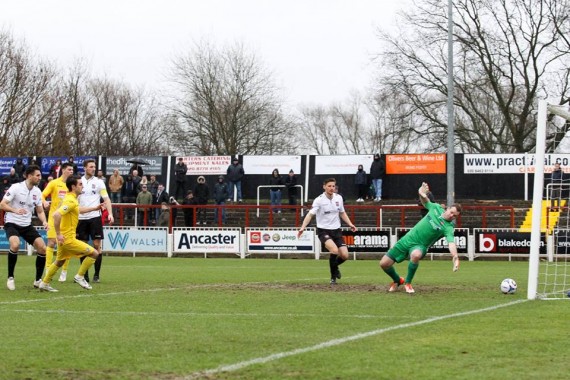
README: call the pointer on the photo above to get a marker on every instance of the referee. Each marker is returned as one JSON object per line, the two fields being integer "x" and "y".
{"x": 329, "y": 209}
{"x": 90, "y": 223}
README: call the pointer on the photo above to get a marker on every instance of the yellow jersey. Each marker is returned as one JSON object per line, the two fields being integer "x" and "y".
{"x": 56, "y": 191}
{"x": 69, "y": 211}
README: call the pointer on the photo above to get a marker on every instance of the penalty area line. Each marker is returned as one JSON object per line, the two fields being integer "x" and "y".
{"x": 339, "y": 341}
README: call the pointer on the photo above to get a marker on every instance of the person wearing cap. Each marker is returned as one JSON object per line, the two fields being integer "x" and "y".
{"x": 235, "y": 174}
{"x": 164, "y": 217}
{"x": 220, "y": 195}
{"x": 377, "y": 172}
{"x": 201, "y": 196}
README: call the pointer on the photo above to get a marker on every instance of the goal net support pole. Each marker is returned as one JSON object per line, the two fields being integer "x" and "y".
{"x": 537, "y": 201}
{"x": 534, "y": 259}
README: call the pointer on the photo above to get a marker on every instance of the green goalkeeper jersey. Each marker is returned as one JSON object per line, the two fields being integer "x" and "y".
{"x": 426, "y": 232}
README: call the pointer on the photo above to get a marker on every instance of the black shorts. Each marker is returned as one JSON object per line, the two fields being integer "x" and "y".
{"x": 335, "y": 235}
{"x": 28, "y": 233}
{"x": 90, "y": 229}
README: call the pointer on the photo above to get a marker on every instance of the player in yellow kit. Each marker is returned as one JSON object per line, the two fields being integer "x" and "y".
{"x": 55, "y": 191}
{"x": 65, "y": 220}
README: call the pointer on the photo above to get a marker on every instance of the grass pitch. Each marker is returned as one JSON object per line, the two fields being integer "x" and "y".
{"x": 180, "y": 318}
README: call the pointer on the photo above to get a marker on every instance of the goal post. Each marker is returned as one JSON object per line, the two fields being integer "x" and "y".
{"x": 554, "y": 275}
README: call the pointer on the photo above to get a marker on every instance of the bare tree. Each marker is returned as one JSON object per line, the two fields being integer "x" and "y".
{"x": 27, "y": 101}
{"x": 228, "y": 104}
{"x": 508, "y": 53}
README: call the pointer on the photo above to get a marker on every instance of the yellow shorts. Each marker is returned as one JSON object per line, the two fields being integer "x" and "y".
{"x": 73, "y": 248}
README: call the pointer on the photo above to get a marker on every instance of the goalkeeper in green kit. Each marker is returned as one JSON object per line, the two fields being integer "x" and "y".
{"x": 414, "y": 245}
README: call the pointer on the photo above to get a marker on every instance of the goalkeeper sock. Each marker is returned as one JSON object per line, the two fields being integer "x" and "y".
{"x": 412, "y": 268}
{"x": 393, "y": 274}
{"x": 40, "y": 265}
{"x": 12, "y": 260}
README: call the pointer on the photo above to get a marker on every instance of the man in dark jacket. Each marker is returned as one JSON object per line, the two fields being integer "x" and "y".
{"x": 377, "y": 172}
{"x": 180, "y": 170}
{"x": 201, "y": 196}
{"x": 220, "y": 195}
{"x": 20, "y": 168}
{"x": 291, "y": 184}
{"x": 235, "y": 175}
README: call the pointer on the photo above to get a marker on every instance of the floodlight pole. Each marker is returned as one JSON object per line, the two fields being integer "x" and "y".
{"x": 450, "y": 111}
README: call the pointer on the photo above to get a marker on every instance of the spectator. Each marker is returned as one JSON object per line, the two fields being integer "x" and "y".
{"x": 153, "y": 186}
{"x": 116, "y": 183}
{"x": 13, "y": 177}
{"x": 144, "y": 198}
{"x": 377, "y": 172}
{"x": 44, "y": 182}
{"x": 291, "y": 184}
{"x": 361, "y": 182}
{"x": 143, "y": 182}
{"x": 174, "y": 210}
{"x": 20, "y": 168}
{"x": 55, "y": 170}
{"x": 71, "y": 162}
{"x": 201, "y": 196}
{"x": 190, "y": 200}
{"x": 136, "y": 166}
{"x": 136, "y": 181}
{"x": 275, "y": 192}
{"x": 235, "y": 176}
{"x": 180, "y": 170}
{"x": 556, "y": 180}
{"x": 161, "y": 196}
{"x": 220, "y": 195}
{"x": 4, "y": 186}
{"x": 129, "y": 195}
{"x": 164, "y": 217}
{"x": 102, "y": 178}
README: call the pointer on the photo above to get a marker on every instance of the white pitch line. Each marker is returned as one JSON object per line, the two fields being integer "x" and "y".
{"x": 195, "y": 314}
{"x": 339, "y": 341}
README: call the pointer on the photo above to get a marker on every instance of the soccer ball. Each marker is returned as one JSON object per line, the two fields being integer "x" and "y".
{"x": 508, "y": 286}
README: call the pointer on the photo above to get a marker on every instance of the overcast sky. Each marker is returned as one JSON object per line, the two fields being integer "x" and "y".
{"x": 319, "y": 50}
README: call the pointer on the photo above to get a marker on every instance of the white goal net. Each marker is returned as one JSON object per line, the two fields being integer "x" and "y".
{"x": 549, "y": 277}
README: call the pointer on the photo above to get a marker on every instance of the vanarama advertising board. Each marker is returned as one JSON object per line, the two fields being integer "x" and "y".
{"x": 441, "y": 246}
{"x": 367, "y": 241}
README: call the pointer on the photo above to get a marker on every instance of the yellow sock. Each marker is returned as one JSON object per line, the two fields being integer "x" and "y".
{"x": 51, "y": 271}
{"x": 65, "y": 265}
{"x": 49, "y": 256}
{"x": 87, "y": 263}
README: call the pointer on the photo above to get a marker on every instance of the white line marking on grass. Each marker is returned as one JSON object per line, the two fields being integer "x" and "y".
{"x": 339, "y": 341}
{"x": 208, "y": 315}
